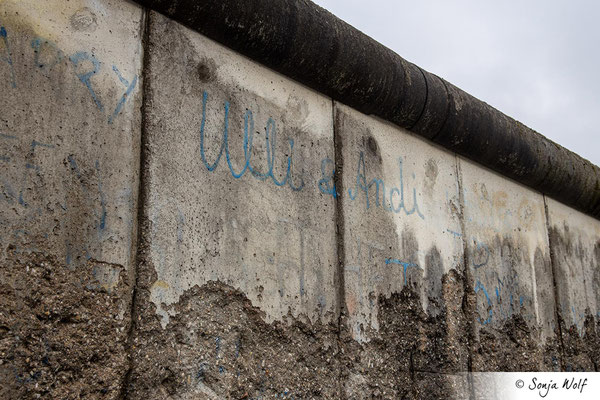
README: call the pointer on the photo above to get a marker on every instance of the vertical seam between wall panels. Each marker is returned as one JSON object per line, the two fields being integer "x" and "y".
{"x": 339, "y": 237}
{"x": 468, "y": 311}
{"x": 141, "y": 201}
{"x": 554, "y": 268}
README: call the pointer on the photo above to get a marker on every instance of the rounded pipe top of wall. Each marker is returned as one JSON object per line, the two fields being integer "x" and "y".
{"x": 307, "y": 43}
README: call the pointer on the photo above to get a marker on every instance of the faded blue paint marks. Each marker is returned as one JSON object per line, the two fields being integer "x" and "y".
{"x": 35, "y": 144}
{"x": 361, "y": 185}
{"x": 39, "y": 44}
{"x": 124, "y": 81}
{"x": 270, "y": 141}
{"x": 8, "y": 57}
{"x": 237, "y": 348}
{"x": 68, "y": 257}
{"x": 102, "y": 218}
{"x": 9, "y": 192}
{"x": 5, "y": 136}
{"x": 454, "y": 233}
{"x": 74, "y": 166}
{"x": 85, "y": 76}
{"x": 125, "y": 96}
{"x": 405, "y": 265}
{"x": 202, "y": 368}
{"x": 327, "y": 183}
{"x": 22, "y": 201}
{"x": 217, "y": 346}
{"x": 480, "y": 248}
{"x": 46, "y": 55}
{"x": 479, "y": 287}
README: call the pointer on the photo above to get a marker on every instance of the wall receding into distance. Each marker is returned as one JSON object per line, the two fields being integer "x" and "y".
{"x": 179, "y": 221}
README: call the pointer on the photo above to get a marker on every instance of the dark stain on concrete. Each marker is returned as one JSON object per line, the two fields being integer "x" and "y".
{"x": 434, "y": 270}
{"x": 580, "y": 340}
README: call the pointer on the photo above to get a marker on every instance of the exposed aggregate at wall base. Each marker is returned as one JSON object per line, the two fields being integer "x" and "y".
{"x": 178, "y": 221}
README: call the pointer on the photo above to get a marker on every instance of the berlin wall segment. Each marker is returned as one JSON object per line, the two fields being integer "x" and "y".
{"x": 69, "y": 150}
{"x": 575, "y": 244}
{"x": 510, "y": 272}
{"x": 241, "y": 205}
{"x": 236, "y": 292}
{"x": 402, "y": 270}
{"x": 290, "y": 247}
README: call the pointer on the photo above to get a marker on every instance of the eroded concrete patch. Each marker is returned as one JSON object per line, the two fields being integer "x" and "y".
{"x": 218, "y": 346}
{"x": 62, "y": 334}
{"x": 412, "y": 354}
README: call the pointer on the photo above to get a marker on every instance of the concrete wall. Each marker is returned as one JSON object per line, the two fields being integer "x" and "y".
{"x": 70, "y": 96}
{"x": 280, "y": 244}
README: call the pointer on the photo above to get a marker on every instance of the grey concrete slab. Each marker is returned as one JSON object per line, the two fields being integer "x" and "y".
{"x": 69, "y": 159}
{"x": 510, "y": 273}
{"x": 402, "y": 254}
{"x": 575, "y": 243}
{"x": 237, "y": 166}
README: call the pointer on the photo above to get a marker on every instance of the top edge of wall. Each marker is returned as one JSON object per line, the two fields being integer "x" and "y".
{"x": 309, "y": 44}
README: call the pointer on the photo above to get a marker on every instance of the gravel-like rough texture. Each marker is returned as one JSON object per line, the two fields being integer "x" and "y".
{"x": 62, "y": 335}
{"x": 219, "y": 347}
{"x": 413, "y": 355}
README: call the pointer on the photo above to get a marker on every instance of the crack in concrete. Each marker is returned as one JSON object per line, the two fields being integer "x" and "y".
{"x": 141, "y": 201}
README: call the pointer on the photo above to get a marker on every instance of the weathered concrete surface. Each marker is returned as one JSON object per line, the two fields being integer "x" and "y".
{"x": 237, "y": 165}
{"x": 575, "y": 243}
{"x": 290, "y": 247}
{"x": 510, "y": 273}
{"x": 402, "y": 261}
{"x": 69, "y": 146}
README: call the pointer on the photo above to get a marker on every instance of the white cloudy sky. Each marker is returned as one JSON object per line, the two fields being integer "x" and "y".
{"x": 537, "y": 61}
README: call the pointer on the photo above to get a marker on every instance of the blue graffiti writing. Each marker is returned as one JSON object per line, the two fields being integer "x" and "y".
{"x": 47, "y": 54}
{"x": 405, "y": 265}
{"x": 85, "y": 75}
{"x": 479, "y": 287}
{"x": 39, "y": 45}
{"x": 8, "y": 57}
{"x": 125, "y": 96}
{"x": 326, "y": 184}
{"x": 271, "y": 137}
{"x": 454, "y": 233}
{"x": 361, "y": 185}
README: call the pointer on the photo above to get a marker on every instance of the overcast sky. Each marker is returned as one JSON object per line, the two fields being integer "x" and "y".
{"x": 537, "y": 61}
